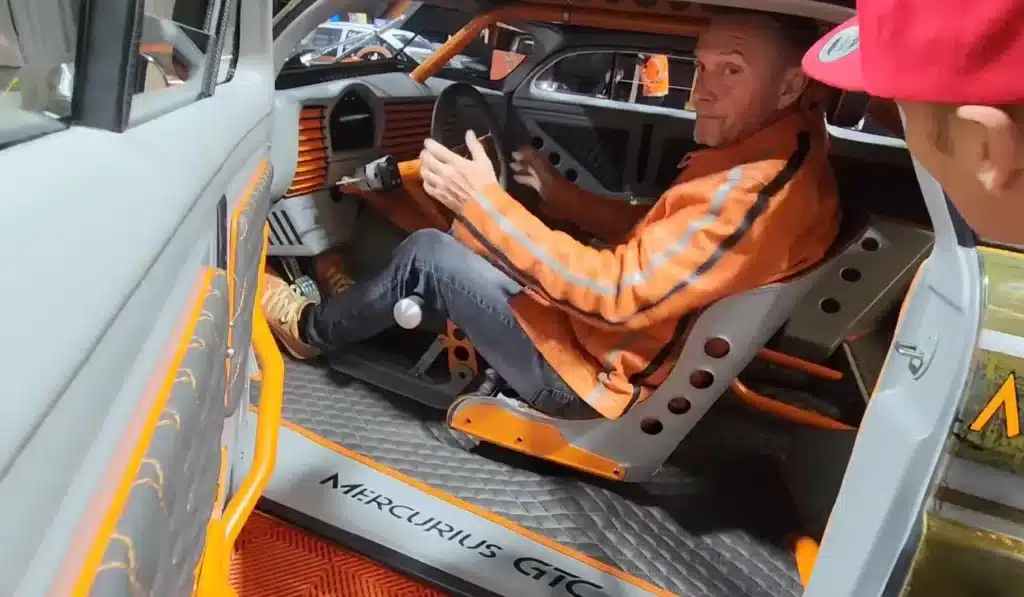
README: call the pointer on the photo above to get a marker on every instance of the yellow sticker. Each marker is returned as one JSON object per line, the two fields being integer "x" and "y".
{"x": 1005, "y": 398}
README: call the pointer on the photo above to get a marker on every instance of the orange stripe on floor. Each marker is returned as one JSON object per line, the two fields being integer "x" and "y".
{"x": 273, "y": 559}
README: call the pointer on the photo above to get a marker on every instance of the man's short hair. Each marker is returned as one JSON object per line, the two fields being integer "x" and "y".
{"x": 796, "y": 34}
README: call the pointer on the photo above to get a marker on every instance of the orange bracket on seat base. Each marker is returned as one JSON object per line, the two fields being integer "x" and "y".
{"x": 496, "y": 425}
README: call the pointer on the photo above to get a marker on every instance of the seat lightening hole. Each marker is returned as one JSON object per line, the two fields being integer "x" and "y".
{"x": 651, "y": 426}
{"x": 679, "y": 405}
{"x": 717, "y": 348}
{"x": 829, "y": 305}
{"x": 702, "y": 379}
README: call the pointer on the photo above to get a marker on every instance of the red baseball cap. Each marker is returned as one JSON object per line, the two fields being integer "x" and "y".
{"x": 942, "y": 51}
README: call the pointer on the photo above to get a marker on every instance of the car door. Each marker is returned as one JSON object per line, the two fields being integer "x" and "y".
{"x": 583, "y": 108}
{"x": 910, "y": 447}
{"x": 134, "y": 146}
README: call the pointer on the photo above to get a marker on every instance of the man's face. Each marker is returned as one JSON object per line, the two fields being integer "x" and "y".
{"x": 979, "y": 165}
{"x": 740, "y": 80}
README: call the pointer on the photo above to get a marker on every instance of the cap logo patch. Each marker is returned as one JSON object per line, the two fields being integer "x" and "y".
{"x": 841, "y": 45}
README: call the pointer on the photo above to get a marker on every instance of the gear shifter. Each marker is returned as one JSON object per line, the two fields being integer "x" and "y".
{"x": 408, "y": 312}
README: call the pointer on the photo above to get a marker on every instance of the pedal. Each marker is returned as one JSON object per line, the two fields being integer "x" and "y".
{"x": 293, "y": 274}
{"x": 308, "y": 288}
{"x": 290, "y": 268}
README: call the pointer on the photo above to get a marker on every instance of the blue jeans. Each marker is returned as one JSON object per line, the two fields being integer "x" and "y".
{"x": 469, "y": 291}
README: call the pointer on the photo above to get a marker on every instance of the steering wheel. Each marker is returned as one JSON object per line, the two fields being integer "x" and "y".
{"x": 461, "y": 107}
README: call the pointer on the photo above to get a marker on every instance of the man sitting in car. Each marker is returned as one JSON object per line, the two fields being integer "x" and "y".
{"x": 580, "y": 332}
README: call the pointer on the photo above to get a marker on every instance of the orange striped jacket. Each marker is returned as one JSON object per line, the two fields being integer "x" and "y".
{"x": 606, "y": 320}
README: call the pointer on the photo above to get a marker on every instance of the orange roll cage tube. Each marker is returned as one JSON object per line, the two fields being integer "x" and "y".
{"x": 785, "y": 412}
{"x": 813, "y": 369}
{"x": 584, "y": 17}
{"x": 222, "y": 532}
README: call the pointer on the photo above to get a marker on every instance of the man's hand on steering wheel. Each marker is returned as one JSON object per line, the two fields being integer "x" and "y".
{"x": 452, "y": 179}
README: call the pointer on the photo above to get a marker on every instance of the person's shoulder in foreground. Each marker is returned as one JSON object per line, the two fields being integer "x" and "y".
{"x": 956, "y": 70}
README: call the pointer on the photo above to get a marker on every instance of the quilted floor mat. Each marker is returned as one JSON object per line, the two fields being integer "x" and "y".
{"x": 713, "y": 523}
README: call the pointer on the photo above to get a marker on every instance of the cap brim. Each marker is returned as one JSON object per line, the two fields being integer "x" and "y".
{"x": 836, "y": 60}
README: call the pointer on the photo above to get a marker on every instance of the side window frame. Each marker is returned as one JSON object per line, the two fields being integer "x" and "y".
{"x": 157, "y": 103}
{"x": 107, "y": 61}
{"x": 619, "y": 56}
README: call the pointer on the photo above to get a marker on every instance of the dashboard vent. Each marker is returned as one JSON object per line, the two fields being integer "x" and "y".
{"x": 406, "y": 125}
{"x": 282, "y": 230}
{"x": 311, "y": 170}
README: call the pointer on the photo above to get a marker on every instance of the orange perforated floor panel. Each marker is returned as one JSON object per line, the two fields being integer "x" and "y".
{"x": 274, "y": 559}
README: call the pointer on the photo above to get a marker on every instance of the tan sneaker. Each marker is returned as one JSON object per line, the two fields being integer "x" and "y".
{"x": 282, "y": 305}
{"x": 329, "y": 271}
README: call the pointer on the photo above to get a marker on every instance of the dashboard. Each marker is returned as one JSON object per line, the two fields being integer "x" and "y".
{"x": 325, "y": 131}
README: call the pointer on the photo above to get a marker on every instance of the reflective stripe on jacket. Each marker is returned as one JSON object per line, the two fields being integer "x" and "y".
{"x": 606, "y": 320}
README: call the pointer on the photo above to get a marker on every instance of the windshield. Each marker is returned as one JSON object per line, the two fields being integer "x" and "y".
{"x": 357, "y": 36}
{"x": 404, "y": 39}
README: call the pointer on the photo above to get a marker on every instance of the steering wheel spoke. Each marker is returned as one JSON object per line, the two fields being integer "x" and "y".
{"x": 458, "y": 103}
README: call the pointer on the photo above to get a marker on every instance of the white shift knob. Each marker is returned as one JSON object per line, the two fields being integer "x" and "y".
{"x": 409, "y": 312}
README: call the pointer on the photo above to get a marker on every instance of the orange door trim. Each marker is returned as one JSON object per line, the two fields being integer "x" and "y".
{"x": 222, "y": 532}
{"x": 168, "y": 377}
{"x": 239, "y": 227}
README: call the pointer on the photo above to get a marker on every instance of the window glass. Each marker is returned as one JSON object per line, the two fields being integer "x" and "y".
{"x": 175, "y": 43}
{"x": 630, "y": 77}
{"x": 637, "y": 77}
{"x": 37, "y": 58}
{"x": 352, "y": 37}
{"x": 410, "y": 38}
{"x": 176, "y": 38}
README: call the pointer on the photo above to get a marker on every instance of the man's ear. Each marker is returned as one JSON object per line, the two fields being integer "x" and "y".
{"x": 794, "y": 82}
{"x": 1001, "y": 155}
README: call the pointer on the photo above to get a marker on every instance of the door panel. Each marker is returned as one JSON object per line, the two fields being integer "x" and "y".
{"x": 615, "y": 149}
{"x": 246, "y": 254}
{"x": 120, "y": 238}
{"x": 159, "y": 537}
{"x": 609, "y": 146}
{"x": 904, "y": 437}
